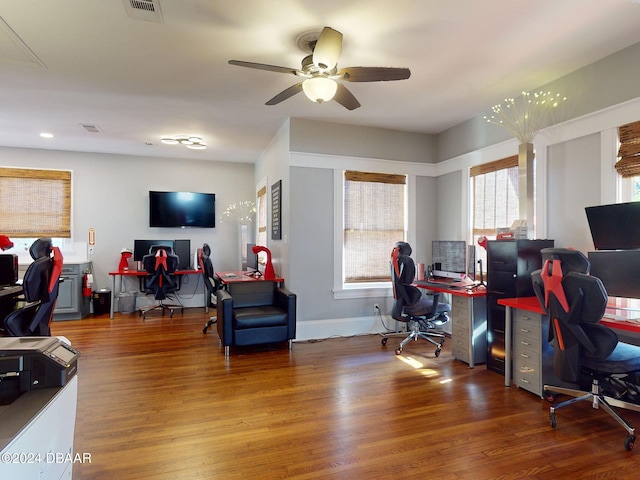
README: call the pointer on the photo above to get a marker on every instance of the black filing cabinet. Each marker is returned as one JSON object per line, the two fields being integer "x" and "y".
{"x": 509, "y": 267}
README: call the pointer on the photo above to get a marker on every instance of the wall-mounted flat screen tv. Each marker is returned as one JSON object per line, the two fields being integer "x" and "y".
{"x": 182, "y": 209}
{"x": 615, "y": 226}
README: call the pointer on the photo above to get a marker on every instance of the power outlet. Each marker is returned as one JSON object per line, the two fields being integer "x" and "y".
{"x": 376, "y": 308}
{"x": 90, "y": 250}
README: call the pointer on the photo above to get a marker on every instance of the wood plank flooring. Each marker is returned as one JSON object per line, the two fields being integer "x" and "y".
{"x": 157, "y": 399}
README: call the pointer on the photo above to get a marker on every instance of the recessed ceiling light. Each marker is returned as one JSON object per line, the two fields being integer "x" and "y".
{"x": 46, "y": 135}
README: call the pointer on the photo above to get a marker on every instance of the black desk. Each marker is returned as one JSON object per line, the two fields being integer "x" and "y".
{"x": 8, "y": 294}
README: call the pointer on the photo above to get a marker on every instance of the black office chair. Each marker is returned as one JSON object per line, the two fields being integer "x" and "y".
{"x": 211, "y": 282}
{"x": 605, "y": 372}
{"x": 160, "y": 265}
{"x": 40, "y": 286}
{"x": 423, "y": 313}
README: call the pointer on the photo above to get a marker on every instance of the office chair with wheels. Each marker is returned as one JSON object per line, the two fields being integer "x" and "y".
{"x": 588, "y": 355}
{"x": 160, "y": 265}
{"x": 40, "y": 286}
{"x": 423, "y": 314}
{"x": 211, "y": 282}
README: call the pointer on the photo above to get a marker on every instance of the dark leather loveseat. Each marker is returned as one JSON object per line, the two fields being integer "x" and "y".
{"x": 256, "y": 313}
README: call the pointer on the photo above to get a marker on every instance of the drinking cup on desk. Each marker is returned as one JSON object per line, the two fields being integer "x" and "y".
{"x": 420, "y": 271}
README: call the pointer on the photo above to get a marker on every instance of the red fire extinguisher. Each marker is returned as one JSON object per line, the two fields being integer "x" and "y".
{"x": 87, "y": 284}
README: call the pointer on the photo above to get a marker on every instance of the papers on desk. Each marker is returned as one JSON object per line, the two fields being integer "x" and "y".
{"x": 230, "y": 275}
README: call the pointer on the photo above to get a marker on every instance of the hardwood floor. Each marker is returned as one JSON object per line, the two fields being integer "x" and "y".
{"x": 157, "y": 399}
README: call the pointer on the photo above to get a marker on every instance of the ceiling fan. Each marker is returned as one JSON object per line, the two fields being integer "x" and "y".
{"x": 321, "y": 73}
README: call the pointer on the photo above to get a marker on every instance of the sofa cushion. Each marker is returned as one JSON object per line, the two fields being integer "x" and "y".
{"x": 252, "y": 317}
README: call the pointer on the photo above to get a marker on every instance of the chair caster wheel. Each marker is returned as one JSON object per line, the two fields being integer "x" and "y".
{"x": 398, "y": 351}
{"x": 628, "y": 442}
{"x": 548, "y": 396}
{"x": 438, "y": 350}
{"x": 204, "y": 330}
{"x": 384, "y": 341}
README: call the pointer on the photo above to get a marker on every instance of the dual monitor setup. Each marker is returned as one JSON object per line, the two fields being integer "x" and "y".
{"x": 182, "y": 248}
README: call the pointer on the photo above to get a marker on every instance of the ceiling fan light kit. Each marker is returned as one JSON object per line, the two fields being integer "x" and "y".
{"x": 321, "y": 73}
{"x": 319, "y": 89}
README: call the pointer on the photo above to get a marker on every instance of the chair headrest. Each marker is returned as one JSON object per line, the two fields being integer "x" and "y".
{"x": 206, "y": 249}
{"x": 40, "y": 248}
{"x": 154, "y": 248}
{"x": 570, "y": 260}
{"x": 404, "y": 248}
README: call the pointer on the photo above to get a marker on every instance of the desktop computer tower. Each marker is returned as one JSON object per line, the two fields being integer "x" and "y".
{"x": 182, "y": 248}
{"x": 8, "y": 269}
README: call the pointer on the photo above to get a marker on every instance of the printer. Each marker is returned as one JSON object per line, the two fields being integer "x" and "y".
{"x": 29, "y": 363}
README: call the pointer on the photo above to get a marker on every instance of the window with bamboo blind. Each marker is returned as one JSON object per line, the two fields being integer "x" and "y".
{"x": 628, "y": 164}
{"x": 35, "y": 203}
{"x": 374, "y": 220}
{"x": 495, "y": 196}
{"x": 261, "y": 236}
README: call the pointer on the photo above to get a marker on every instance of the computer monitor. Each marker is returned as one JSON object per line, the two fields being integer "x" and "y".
{"x": 141, "y": 247}
{"x": 252, "y": 258}
{"x": 449, "y": 258}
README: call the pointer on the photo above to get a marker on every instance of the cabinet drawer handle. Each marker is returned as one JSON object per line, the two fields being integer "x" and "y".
{"x": 524, "y": 355}
{"x": 524, "y": 330}
{"x": 525, "y": 344}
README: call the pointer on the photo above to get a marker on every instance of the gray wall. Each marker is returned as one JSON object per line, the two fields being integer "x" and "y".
{"x": 573, "y": 183}
{"x": 351, "y": 140}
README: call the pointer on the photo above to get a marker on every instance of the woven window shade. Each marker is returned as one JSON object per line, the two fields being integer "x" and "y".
{"x": 374, "y": 213}
{"x": 495, "y": 195}
{"x": 628, "y": 164}
{"x": 35, "y": 203}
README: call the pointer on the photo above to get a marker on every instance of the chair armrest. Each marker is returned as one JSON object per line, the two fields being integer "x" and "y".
{"x": 224, "y": 317}
{"x": 286, "y": 300}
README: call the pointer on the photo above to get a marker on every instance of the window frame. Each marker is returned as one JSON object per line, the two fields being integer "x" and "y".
{"x": 342, "y": 290}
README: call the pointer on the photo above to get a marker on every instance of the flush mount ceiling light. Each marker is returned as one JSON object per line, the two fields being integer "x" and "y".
{"x": 195, "y": 143}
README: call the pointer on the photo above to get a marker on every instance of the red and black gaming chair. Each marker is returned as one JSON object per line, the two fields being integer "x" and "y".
{"x": 424, "y": 314}
{"x": 40, "y": 286}
{"x": 605, "y": 372}
{"x": 160, "y": 265}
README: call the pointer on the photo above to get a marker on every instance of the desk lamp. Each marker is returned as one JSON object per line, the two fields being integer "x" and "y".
{"x": 269, "y": 274}
{"x": 5, "y": 243}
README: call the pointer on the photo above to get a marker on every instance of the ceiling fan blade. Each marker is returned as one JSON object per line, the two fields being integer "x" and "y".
{"x": 374, "y": 74}
{"x": 345, "y": 98}
{"x": 327, "y": 49}
{"x": 288, "y": 93}
{"x": 264, "y": 66}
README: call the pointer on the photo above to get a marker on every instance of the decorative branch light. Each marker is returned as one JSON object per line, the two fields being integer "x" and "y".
{"x": 241, "y": 212}
{"x": 525, "y": 116}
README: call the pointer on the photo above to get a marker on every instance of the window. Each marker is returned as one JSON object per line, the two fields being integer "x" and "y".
{"x": 35, "y": 203}
{"x": 494, "y": 193}
{"x": 261, "y": 234}
{"x": 374, "y": 220}
{"x": 628, "y": 164}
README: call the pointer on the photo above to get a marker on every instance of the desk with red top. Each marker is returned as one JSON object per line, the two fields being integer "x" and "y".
{"x": 468, "y": 318}
{"x": 241, "y": 281}
{"x": 138, "y": 274}
{"x": 614, "y": 318}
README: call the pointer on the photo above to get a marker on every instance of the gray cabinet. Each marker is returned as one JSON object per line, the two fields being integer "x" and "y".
{"x": 469, "y": 329}
{"x": 71, "y": 304}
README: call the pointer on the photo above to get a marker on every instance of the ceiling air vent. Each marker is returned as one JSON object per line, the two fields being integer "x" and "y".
{"x": 148, "y": 10}
{"x": 90, "y": 128}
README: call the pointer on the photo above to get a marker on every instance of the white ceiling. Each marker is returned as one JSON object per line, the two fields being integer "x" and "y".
{"x": 65, "y": 63}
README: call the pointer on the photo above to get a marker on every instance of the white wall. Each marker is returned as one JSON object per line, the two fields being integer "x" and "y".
{"x": 110, "y": 194}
